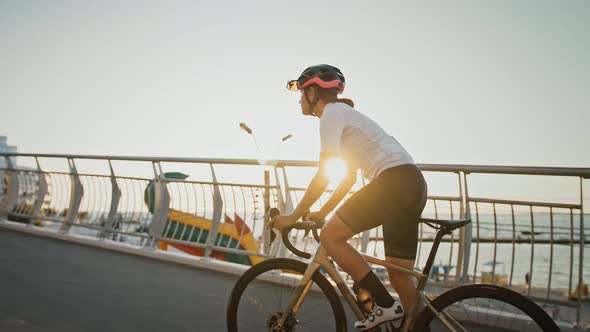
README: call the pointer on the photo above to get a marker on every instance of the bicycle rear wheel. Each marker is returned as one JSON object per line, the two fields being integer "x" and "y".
{"x": 486, "y": 308}
{"x": 264, "y": 291}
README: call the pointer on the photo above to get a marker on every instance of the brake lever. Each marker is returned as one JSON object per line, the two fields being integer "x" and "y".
{"x": 273, "y": 234}
{"x": 305, "y": 218}
{"x": 314, "y": 231}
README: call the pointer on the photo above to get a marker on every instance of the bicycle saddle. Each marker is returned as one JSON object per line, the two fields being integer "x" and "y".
{"x": 448, "y": 224}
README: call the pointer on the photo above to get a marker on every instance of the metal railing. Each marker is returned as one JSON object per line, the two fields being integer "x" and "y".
{"x": 536, "y": 247}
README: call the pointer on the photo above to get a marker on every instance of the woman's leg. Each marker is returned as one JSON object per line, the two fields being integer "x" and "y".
{"x": 334, "y": 237}
{"x": 404, "y": 284}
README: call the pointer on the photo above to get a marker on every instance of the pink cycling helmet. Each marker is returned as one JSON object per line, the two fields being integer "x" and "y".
{"x": 326, "y": 76}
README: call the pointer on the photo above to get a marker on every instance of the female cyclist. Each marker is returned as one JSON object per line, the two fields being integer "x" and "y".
{"x": 394, "y": 197}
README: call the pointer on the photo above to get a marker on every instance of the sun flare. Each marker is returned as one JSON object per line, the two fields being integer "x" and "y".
{"x": 335, "y": 169}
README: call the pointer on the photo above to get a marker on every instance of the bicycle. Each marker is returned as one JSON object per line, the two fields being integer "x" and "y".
{"x": 463, "y": 308}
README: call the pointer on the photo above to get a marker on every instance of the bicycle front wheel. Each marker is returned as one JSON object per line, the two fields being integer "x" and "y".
{"x": 263, "y": 292}
{"x": 485, "y": 308}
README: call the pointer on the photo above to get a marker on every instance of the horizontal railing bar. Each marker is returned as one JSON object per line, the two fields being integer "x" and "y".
{"x": 260, "y": 186}
{"x": 16, "y": 214}
{"x": 517, "y": 170}
{"x": 59, "y": 173}
{"x": 80, "y": 174}
{"x": 100, "y": 228}
{"x": 445, "y": 198}
{"x": 147, "y": 159}
{"x": 491, "y": 240}
{"x": 96, "y": 228}
{"x": 527, "y": 203}
{"x": 61, "y": 221}
{"x": 522, "y": 170}
{"x": 537, "y": 233}
{"x": 521, "y": 240}
{"x": 101, "y": 176}
{"x": 135, "y": 234}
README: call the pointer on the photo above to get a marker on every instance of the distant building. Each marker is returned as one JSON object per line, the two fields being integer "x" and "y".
{"x": 4, "y": 148}
{"x": 28, "y": 181}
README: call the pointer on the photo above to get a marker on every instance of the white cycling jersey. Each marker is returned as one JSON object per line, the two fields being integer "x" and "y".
{"x": 360, "y": 141}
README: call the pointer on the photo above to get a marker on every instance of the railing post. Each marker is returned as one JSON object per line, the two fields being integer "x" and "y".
{"x": 277, "y": 249}
{"x": 288, "y": 200}
{"x": 77, "y": 191}
{"x": 580, "y": 269}
{"x": 161, "y": 206}
{"x": 266, "y": 199}
{"x": 465, "y": 234}
{"x": 282, "y": 252}
{"x": 461, "y": 242}
{"x": 365, "y": 239}
{"x": 280, "y": 198}
{"x": 11, "y": 196}
{"x": 217, "y": 212}
{"x": 109, "y": 224}
{"x": 41, "y": 192}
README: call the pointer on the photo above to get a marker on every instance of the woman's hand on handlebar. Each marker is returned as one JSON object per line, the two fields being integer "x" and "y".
{"x": 281, "y": 222}
{"x": 316, "y": 216}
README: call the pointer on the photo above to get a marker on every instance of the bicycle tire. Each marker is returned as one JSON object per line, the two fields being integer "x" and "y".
{"x": 282, "y": 265}
{"x": 489, "y": 292}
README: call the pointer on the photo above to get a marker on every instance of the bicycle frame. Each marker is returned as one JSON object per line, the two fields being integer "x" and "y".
{"x": 321, "y": 260}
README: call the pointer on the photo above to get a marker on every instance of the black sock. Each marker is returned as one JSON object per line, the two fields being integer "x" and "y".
{"x": 371, "y": 283}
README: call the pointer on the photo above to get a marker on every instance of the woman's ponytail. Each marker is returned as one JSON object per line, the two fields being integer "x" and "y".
{"x": 331, "y": 95}
{"x": 347, "y": 101}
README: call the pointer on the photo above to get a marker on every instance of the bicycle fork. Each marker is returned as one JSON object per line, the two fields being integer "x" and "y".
{"x": 299, "y": 295}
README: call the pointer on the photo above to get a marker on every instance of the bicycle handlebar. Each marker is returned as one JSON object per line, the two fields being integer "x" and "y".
{"x": 308, "y": 226}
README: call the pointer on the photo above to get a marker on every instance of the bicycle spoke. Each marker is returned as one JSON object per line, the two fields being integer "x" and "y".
{"x": 259, "y": 305}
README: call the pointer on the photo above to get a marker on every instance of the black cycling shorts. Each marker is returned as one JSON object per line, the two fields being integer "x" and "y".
{"x": 395, "y": 199}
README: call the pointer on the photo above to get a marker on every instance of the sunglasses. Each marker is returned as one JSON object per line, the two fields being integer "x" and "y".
{"x": 293, "y": 85}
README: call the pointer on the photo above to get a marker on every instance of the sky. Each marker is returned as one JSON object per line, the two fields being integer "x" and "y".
{"x": 455, "y": 82}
